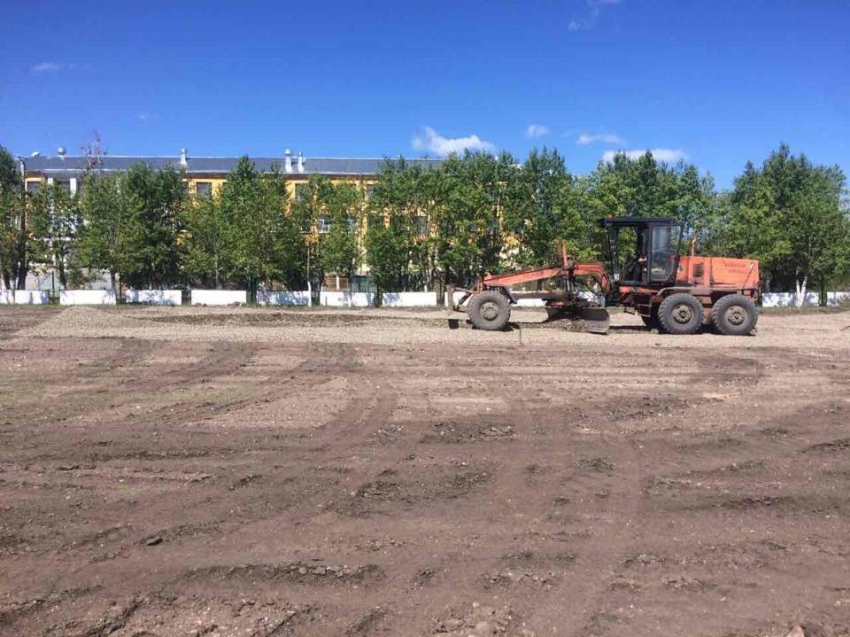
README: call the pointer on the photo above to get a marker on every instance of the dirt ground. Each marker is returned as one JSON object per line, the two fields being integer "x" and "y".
{"x": 190, "y": 471}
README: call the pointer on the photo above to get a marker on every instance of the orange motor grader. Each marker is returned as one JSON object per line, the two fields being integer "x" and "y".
{"x": 673, "y": 292}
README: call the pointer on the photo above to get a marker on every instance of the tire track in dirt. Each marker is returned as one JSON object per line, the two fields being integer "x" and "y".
{"x": 598, "y": 562}
{"x": 601, "y": 488}
{"x": 319, "y": 448}
{"x": 408, "y": 478}
{"x": 224, "y": 358}
{"x": 730, "y": 474}
{"x": 614, "y": 525}
{"x": 81, "y": 399}
{"x": 227, "y": 360}
{"x": 505, "y": 563}
{"x": 321, "y": 583}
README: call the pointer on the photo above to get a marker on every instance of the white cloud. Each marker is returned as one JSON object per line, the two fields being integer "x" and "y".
{"x": 432, "y": 142}
{"x": 588, "y": 21}
{"x": 537, "y": 130}
{"x": 145, "y": 117}
{"x": 606, "y": 138}
{"x": 667, "y": 155}
{"x": 56, "y": 67}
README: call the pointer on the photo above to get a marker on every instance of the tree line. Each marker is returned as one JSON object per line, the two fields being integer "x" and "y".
{"x": 415, "y": 226}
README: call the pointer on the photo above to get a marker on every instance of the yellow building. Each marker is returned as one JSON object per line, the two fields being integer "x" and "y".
{"x": 205, "y": 175}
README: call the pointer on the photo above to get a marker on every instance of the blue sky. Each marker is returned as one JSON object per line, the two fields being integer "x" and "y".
{"x": 717, "y": 82}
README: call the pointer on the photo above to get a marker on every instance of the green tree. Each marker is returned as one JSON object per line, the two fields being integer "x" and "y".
{"x": 109, "y": 225}
{"x": 343, "y": 210}
{"x": 329, "y": 214}
{"x": 208, "y": 241}
{"x": 400, "y": 249}
{"x": 645, "y": 187}
{"x": 388, "y": 249}
{"x": 542, "y": 211}
{"x": 10, "y": 177}
{"x": 15, "y": 238}
{"x": 156, "y": 202}
{"x": 469, "y": 195}
{"x": 790, "y": 215}
{"x": 266, "y": 244}
{"x": 55, "y": 220}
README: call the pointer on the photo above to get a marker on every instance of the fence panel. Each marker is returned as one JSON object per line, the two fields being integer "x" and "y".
{"x": 219, "y": 297}
{"x": 86, "y": 297}
{"x": 812, "y": 299}
{"x": 346, "y": 299}
{"x": 24, "y": 297}
{"x": 409, "y": 299}
{"x": 283, "y": 298}
{"x": 155, "y": 297}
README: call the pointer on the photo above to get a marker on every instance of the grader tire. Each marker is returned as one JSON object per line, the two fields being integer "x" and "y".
{"x": 489, "y": 311}
{"x": 680, "y": 314}
{"x": 735, "y": 315}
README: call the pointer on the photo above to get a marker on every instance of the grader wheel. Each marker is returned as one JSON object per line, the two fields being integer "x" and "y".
{"x": 735, "y": 315}
{"x": 680, "y": 314}
{"x": 489, "y": 311}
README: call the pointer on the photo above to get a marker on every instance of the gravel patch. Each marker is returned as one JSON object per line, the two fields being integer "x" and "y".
{"x": 397, "y": 327}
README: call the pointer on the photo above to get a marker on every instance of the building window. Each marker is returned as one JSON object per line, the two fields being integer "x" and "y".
{"x": 203, "y": 188}
{"x": 33, "y": 186}
{"x": 302, "y": 192}
{"x": 370, "y": 192}
{"x": 376, "y": 221}
{"x": 64, "y": 185}
{"x": 324, "y": 225}
{"x": 422, "y": 225}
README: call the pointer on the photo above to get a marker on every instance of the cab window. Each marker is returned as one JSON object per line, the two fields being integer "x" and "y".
{"x": 665, "y": 250}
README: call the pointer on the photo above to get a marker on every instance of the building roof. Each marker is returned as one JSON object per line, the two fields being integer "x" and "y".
{"x": 66, "y": 165}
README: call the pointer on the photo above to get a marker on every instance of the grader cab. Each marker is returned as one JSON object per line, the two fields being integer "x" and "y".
{"x": 647, "y": 275}
{"x": 674, "y": 292}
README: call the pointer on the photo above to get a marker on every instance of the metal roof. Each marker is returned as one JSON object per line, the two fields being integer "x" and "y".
{"x": 637, "y": 221}
{"x": 67, "y": 165}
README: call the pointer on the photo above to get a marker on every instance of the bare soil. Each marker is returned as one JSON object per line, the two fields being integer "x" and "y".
{"x": 191, "y": 471}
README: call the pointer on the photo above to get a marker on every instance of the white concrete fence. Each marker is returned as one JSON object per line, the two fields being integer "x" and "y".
{"x": 86, "y": 297}
{"x": 154, "y": 297}
{"x": 222, "y": 298}
{"x": 409, "y": 299}
{"x": 811, "y": 299}
{"x": 219, "y": 297}
{"x": 326, "y": 298}
{"x": 349, "y": 299}
{"x": 346, "y": 299}
{"x": 283, "y": 298}
{"x": 24, "y": 297}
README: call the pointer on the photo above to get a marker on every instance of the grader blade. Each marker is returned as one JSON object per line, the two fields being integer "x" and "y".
{"x": 596, "y": 319}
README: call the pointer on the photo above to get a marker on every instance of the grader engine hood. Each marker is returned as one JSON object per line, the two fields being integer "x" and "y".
{"x": 739, "y": 273}
{"x": 724, "y": 272}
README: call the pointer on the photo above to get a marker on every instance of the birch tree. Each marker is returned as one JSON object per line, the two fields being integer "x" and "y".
{"x": 789, "y": 214}
{"x": 109, "y": 225}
